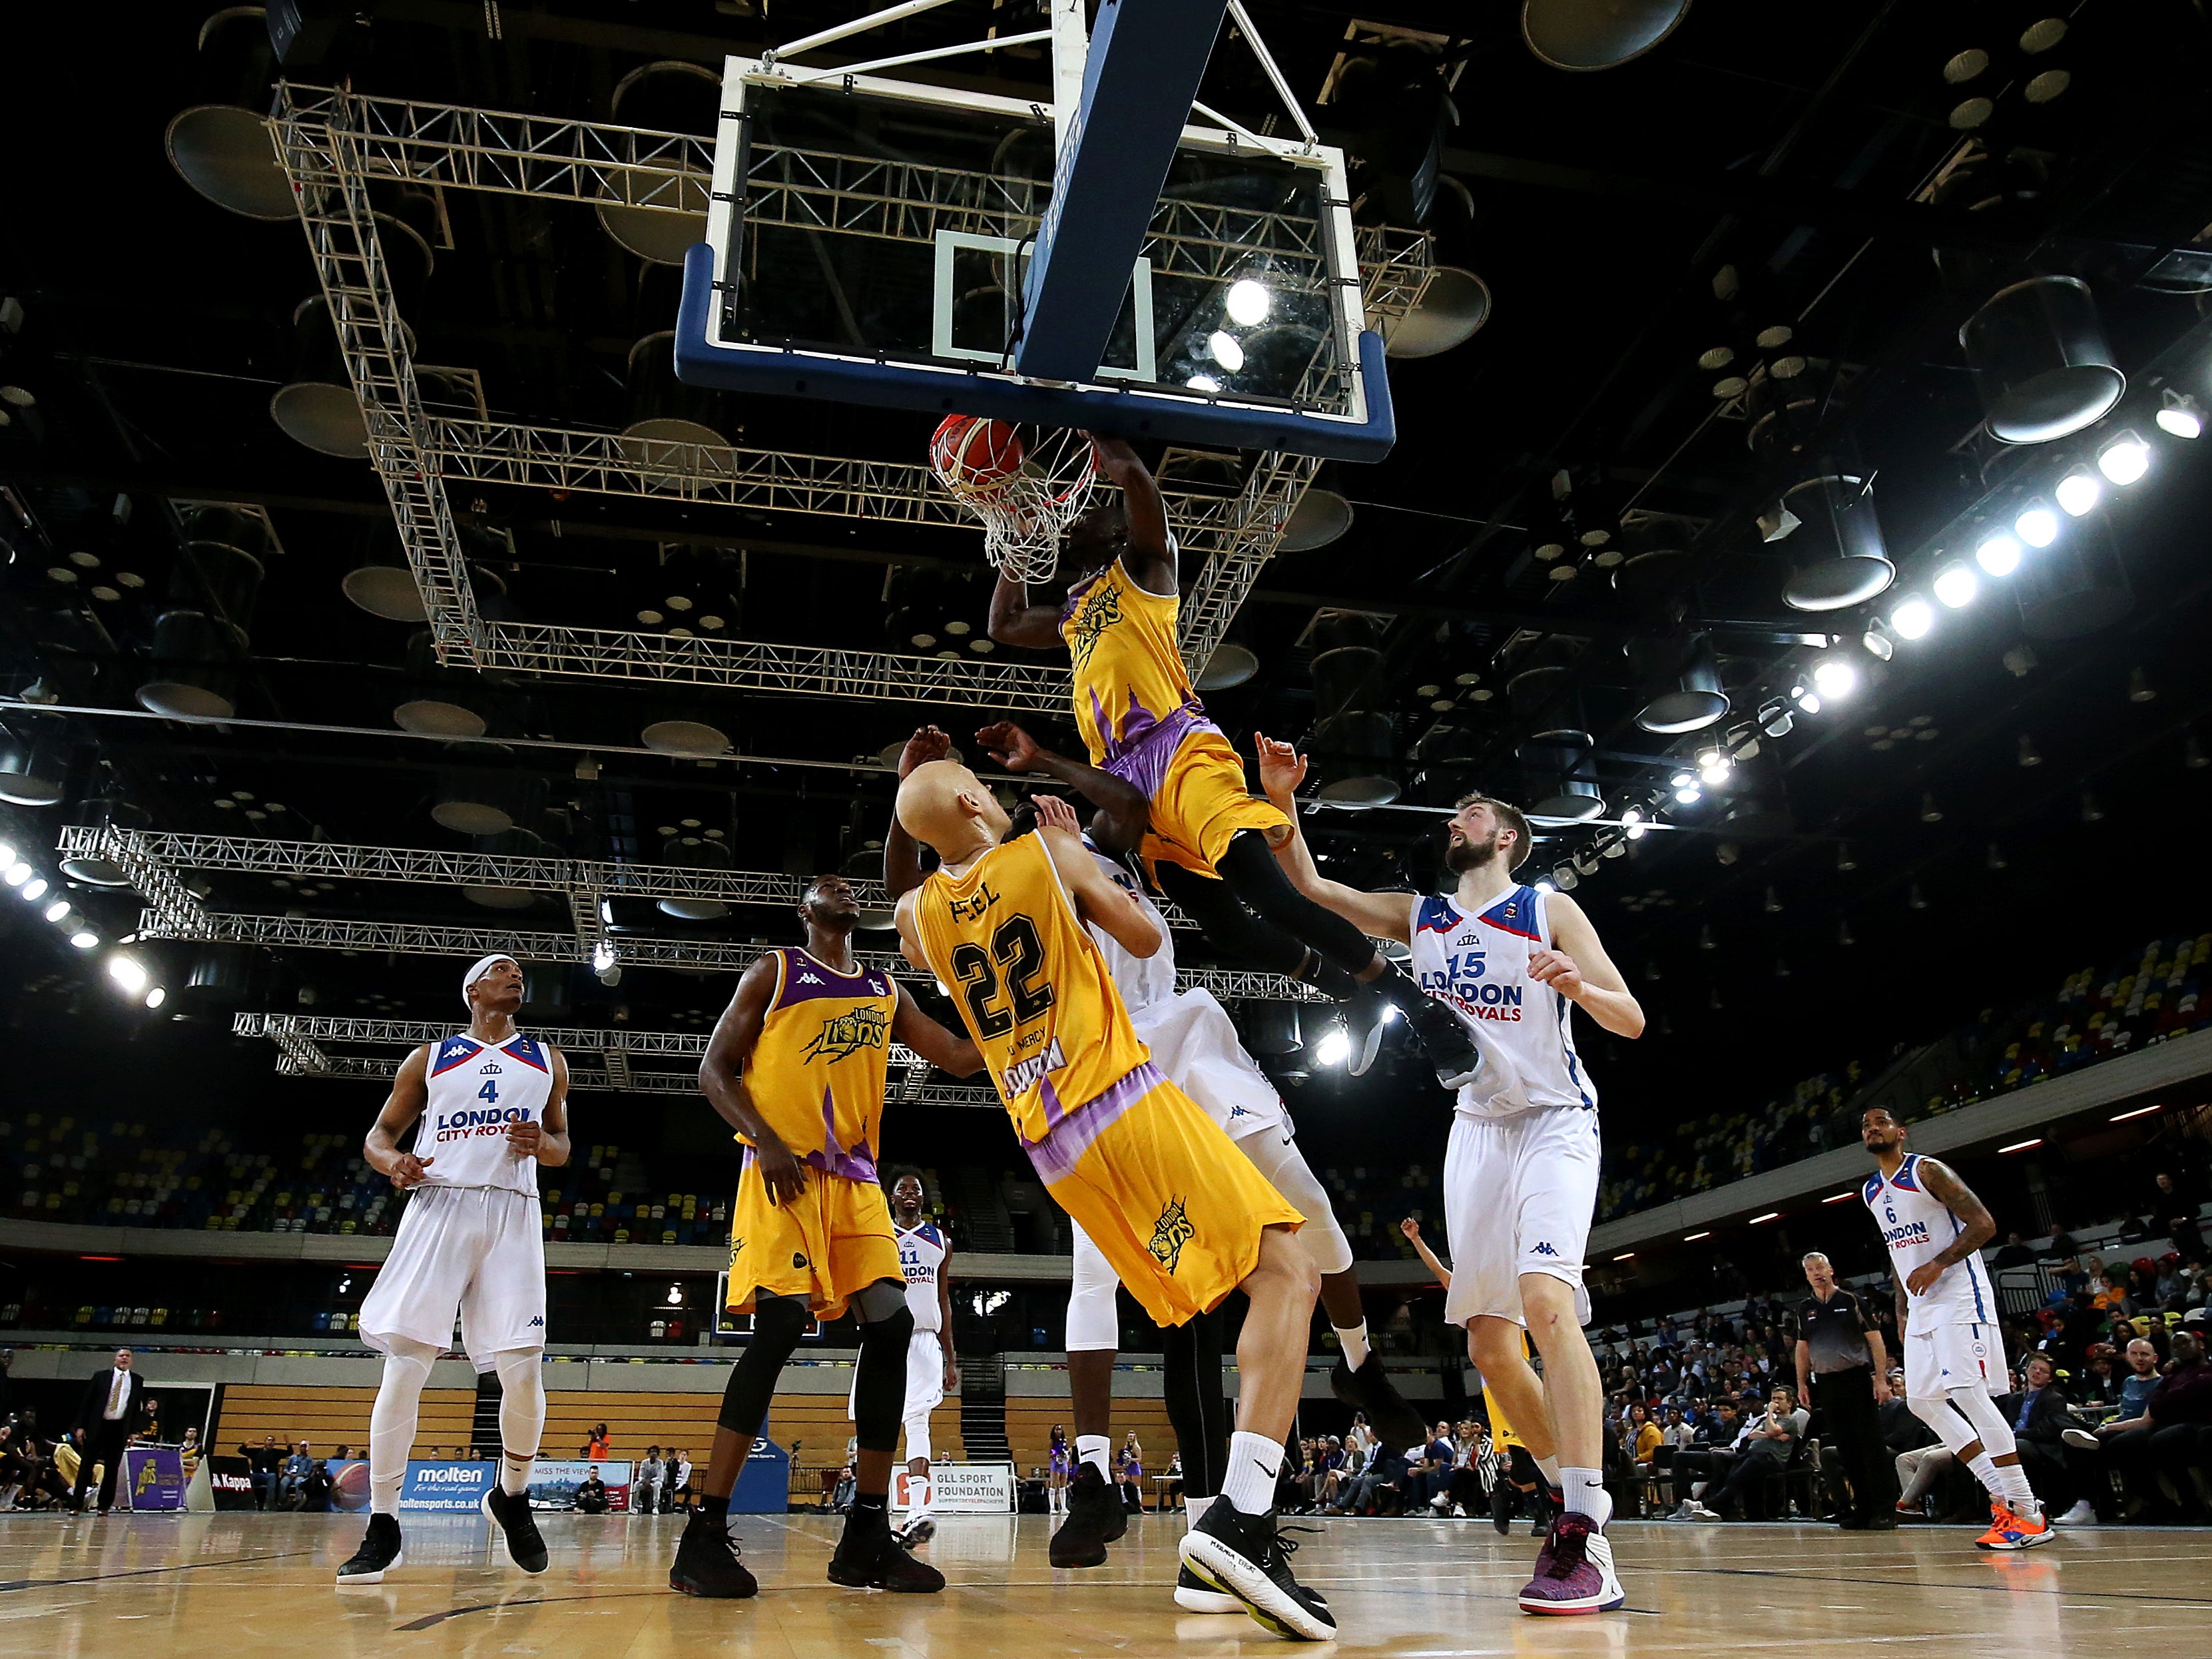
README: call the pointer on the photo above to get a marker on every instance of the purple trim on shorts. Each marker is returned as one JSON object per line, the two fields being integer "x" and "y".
{"x": 1142, "y": 752}
{"x": 1069, "y": 1134}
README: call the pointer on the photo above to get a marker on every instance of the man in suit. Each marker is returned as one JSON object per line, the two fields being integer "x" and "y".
{"x": 2056, "y": 1448}
{"x": 105, "y": 1418}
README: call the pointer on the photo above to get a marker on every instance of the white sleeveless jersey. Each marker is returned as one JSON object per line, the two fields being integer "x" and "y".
{"x": 922, "y": 1259}
{"x": 1142, "y": 981}
{"x": 1917, "y": 1225}
{"x": 476, "y": 1091}
{"x": 1478, "y": 967}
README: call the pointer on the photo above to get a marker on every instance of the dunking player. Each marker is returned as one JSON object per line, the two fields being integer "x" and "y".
{"x": 1520, "y": 1166}
{"x": 1180, "y": 1214}
{"x": 1946, "y": 1315}
{"x": 1208, "y": 838}
{"x": 471, "y": 1239}
{"x": 797, "y": 1065}
{"x": 926, "y": 1259}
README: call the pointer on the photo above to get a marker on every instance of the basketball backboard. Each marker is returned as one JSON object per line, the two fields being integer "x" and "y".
{"x": 871, "y": 239}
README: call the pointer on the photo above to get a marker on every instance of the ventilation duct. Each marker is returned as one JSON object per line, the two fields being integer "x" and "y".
{"x": 2040, "y": 360}
{"x": 1597, "y": 34}
{"x": 1838, "y": 548}
{"x": 1354, "y": 739}
{"x": 221, "y": 145}
{"x": 663, "y": 97}
{"x": 1682, "y": 680}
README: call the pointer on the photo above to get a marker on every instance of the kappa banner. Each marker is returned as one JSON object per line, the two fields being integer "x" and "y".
{"x": 447, "y": 1487}
{"x": 155, "y": 1476}
{"x": 963, "y": 1489}
{"x": 230, "y": 1482}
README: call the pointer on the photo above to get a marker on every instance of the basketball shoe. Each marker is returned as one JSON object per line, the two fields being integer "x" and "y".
{"x": 2011, "y": 1530}
{"x": 1574, "y": 1572}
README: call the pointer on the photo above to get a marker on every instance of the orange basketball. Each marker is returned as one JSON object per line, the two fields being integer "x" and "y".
{"x": 973, "y": 455}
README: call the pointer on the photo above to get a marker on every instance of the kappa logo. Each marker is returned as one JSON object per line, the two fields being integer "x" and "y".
{"x": 1100, "y": 610}
{"x": 849, "y": 1033}
{"x": 1236, "y": 1112}
{"x": 1171, "y": 1232}
{"x": 1544, "y": 1250}
{"x": 809, "y": 979}
{"x": 538, "y": 1323}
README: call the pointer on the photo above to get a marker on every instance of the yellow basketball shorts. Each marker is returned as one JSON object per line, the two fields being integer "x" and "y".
{"x": 1200, "y": 801}
{"x": 1175, "y": 1208}
{"x": 831, "y": 1240}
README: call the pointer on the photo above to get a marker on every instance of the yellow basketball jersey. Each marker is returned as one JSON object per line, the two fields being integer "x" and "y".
{"x": 1130, "y": 681}
{"x": 1032, "y": 987}
{"x": 817, "y": 1074}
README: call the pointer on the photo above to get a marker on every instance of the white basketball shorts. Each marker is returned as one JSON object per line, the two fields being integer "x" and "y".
{"x": 925, "y": 1391}
{"x": 1194, "y": 1042}
{"x": 476, "y": 1251}
{"x": 1519, "y": 1193}
{"x": 1941, "y": 1357}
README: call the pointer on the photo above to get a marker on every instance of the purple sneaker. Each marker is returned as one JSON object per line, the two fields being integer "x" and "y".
{"x": 1574, "y": 1572}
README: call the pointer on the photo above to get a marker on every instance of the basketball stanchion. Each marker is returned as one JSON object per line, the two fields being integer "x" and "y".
{"x": 1026, "y": 483}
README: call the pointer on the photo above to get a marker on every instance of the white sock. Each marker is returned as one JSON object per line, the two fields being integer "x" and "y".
{"x": 1585, "y": 1494}
{"x": 1254, "y": 1461}
{"x": 1193, "y": 1511}
{"x": 1355, "y": 1343}
{"x": 1091, "y": 1448}
{"x": 1550, "y": 1468}
{"x": 391, "y": 1421}
{"x": 521, "y": 1416}
{"x": 917, "y": 1497}
{"x": 2019, "y": 1496}
{"x": 1985, "y": 1471}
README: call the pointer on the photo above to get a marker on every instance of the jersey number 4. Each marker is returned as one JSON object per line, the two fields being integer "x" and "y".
{"x": 1018, "y": 948}
{"x": 489, "y": 1092}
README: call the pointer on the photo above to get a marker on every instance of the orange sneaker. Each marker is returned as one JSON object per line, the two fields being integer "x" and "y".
{"x": 2009, "y": 1530}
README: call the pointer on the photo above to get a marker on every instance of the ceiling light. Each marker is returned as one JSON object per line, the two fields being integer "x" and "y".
{"x": 1876, "y": 640}
{"x": 2028, "y": 754}
{"x": 2140, "y": 690}
{"x": 1838, "y": 1198}
{"x": 1689, "y": 794}
{"x": 1692, "y": 1238}
{"x": 1930, "y": 811}
{"x": 1203, "y": 383}
{"x": 1626, "y": 1256}
{"x": 84, "y": 938}
{"x": 2123, "y": 458}
{"x": 7, "y": 854}
{"x": 2036, "y": 525}
{"x": 1564, "y": 877}
{"x": 1914, "y": 898}
{"x": 33, "y": 889}
{"x": 1956, "y": 584}
{"x": 2090, "y": 812}
{"x": 16, "y": 873}
{"x": 1544, "y": 884}
{"x": 1713, "y": 767}
{"x": 2178, "y": 413}
{"x": 1832, "y": 678}
{"x": 1333, "y": 1048}
{"x": 1771, "y": 1215}
{"x": 1773, "y": 904}
{"x": 1843, "y": 935}
{"x": 2020, "y": 1145}
{"x": 1248, "y": 302}
{"x": 1995, "y": 858}
{"x": 128, "y": 973}
{"x": 1637, "y": 831}
{"x": 1845, "y": 862}
{"x": 1631, "y": 815}
{"x": 1912, "y": 618}
{"x": 58, "y": 909}
{"x": 1999, "y": 554}
{"x": 156, "y": 997}
{"x": 1225, "y": 350}
{"x": 2139, "y": 1111}
{"x": 2079, "y": 491}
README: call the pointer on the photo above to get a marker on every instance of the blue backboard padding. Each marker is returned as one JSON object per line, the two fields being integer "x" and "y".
{"x": 929, "y": 389}
{"x": 1145, "y": 61}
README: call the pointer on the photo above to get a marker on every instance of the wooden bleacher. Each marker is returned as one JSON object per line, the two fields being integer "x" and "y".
{"x": 330, "y": 1418}
{"x": 1030, "y": 1418}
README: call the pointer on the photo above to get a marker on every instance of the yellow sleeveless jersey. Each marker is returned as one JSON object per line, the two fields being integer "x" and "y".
{"x": 816, "y": 1073}
{"x": 1132, "y": 695}
{"x": 1032, "y": 988}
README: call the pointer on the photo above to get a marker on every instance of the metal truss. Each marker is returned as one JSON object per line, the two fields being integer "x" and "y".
{"x": 333, "y": 143}
{"x": 594, "y": 1080}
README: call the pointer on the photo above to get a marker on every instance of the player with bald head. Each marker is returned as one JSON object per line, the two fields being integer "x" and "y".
{"x": 1183, "y": 1217}
{"x": 492, "y": 1106}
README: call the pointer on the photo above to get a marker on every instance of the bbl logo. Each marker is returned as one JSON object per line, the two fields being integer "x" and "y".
{"x": 1100, "y": 611}
{"x": 1170, "y": 1233}
{"x": 848, "y": 1034}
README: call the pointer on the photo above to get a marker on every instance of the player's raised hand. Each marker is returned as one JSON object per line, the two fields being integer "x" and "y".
{"x": 927, "y": 744}
{"x": 523, "y": 1138}
{"x": 1111, "y": 454}
{"x": 1055, "y": 813}
{"x": 409, "y": 1170}
{"x": 1410, "y": 1227}
{"x": 1556, "y": 969}
{"x": 1282, "y": 768}
{"x": 1008, "y": 744}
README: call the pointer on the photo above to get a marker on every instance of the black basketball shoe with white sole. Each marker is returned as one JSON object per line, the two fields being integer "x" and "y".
{"x": 1094, "y": 1519}
{"x": 524, "y": 1546}
{"x": 378, "y": 1554}
{"x": 1194, "y": 1594}
{"x": 1246, "y": 1556}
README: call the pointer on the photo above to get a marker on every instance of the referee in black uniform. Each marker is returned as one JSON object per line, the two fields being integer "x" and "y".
{"x": 1843, "y": 1375}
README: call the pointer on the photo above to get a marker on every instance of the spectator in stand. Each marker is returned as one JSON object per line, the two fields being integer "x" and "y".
{"x": 1770, "y": 1444}
{"x": 1709, "y": 1462}
{"x": 2169, "y": 1447}
{"x": 1430, "y": 1468}
{"x": 2135, "y": 1388}
{"x": 678, "y": 1485}
{"x": 315, "y": 1489}
{"x": 2054, "y": 1444}
{"x": 1641, "y": 1440}
{"x": 2013, "y": 1253}
{"x": 645, "y": 1484}
{"x": 1677, "y": 1432}
{"x": 292, "y": 1474}
{"x": 591, "y": 1494}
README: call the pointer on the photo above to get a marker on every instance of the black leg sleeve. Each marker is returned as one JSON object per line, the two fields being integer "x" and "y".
{"x": 1249, "y": 871}
{"x": 1196, "y": 1406}
{"x": 778, "y": 1322}
{"x": 879, "y": 1381}
{"x": 1230, "y": 928}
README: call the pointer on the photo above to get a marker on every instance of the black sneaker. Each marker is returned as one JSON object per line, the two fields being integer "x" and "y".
{"x": 1095, "y": 1518}
{"x": 1194, "y": 1594}
{"x": 706, "y": 1562}
{"x": 869, "y": 1558}
{"x": 1367, "y": 1389}
{"x": 1247, "y": 1556}
{"x": 379, "y": 1553}
{"x": 524, "y": 1545}
{"x": 1448, "y": 1042}
{"x": 1364, "y": 1014}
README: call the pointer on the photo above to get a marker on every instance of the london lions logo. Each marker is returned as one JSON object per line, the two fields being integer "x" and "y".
{"x": 847, "y": 1034}
{"x": 1100, "y": 610}
{"x": 1170, "y": 1233}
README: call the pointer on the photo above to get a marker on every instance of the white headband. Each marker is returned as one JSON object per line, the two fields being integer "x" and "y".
{"x": 483, "y": 966}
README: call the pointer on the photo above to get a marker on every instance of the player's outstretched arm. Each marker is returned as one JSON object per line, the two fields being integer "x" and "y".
{"x": 410, "y": 1093}
{"x": 547, "y": 1139}
{"x": 1412, "y": 1229}
{"x": 1381, "y": 915}
{"x": 1150, "y": 558}
{"x": 940, "y": 1047}
{"x": 1099, "y": 899}
{"x": 1976, "y": 1226}
{"x": 721, "y": 1079}
{"x": 902, "y": 870}
{"x": 1015, "y": 621}
{"x": 1123, "y": 812}
{"x": 1576, "y": 967}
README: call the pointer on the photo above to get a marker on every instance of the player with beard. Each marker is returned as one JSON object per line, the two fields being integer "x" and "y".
{"x": 1520, "y": 1167}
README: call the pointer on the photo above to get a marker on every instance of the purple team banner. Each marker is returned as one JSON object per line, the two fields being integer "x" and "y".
{"x": 156, "y": 1474}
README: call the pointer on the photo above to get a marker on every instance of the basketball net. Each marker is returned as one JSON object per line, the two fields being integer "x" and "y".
{"x": 1025, "y": 511}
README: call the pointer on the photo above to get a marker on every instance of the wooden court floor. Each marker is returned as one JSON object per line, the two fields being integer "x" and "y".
{"x": 245, "y": 1585}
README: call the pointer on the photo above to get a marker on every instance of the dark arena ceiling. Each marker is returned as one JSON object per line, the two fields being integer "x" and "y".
{"x": 1726, "y": 284}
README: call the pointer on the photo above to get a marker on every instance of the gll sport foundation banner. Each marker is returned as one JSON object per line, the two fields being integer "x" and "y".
{"x": 155, "y": 1476}
{"x": 448, "y": 1488}
{"x": 963, "y": 1489}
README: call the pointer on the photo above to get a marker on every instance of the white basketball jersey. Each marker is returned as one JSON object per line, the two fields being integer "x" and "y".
{"x": 922, "y": 1259}
{"x": 1917, "y": 1225}
{"x": 1142, "y": 981}
{"x": 1478, "y": 967}
{"x": 476, "y": 1091}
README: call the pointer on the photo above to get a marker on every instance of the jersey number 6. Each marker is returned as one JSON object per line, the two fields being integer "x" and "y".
{"x": 1016, "y": 945}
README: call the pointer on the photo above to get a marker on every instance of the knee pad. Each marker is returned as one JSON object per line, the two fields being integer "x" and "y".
{"x": 1935, "y": 1410}
{"x": 879, "y": 1380}
{"x": 885, "y": 1299}
{"x": 1093, "y": 1323}
{"x": 778, "y": 1322}
{"x": 917, "y": 1439}
{"x": 1986, "y": 1422}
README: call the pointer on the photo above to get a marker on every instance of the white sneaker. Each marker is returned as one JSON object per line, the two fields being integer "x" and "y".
{"x": 2080, "y": 1439}
{"x": 1440, "y": 1501}
{"x": 1459, "y": 1511}
{"x": 2081, "y": 1515}
{"x": 1701, "y": 1513}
